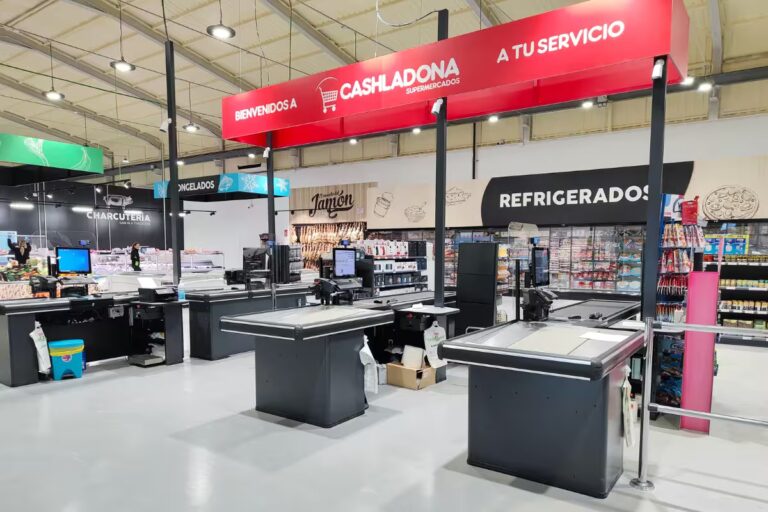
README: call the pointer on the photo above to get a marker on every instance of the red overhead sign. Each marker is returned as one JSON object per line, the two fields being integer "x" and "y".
{"x": 594, "y": 48}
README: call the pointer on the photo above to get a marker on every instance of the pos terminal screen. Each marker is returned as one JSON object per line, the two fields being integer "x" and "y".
{"x": 344, "y": 262}
{"x": 73, "y": 260}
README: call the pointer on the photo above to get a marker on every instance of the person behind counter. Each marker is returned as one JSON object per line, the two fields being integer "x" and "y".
{"x": 135, "y": 259}
{"x": 20, "y": 251}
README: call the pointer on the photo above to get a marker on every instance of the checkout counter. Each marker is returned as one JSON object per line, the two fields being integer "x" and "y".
{"x": 308, "y": 365}
{"x": 545, "y": 398}
{"x": 207, "y": 307}
{"x": 110, "y": 325}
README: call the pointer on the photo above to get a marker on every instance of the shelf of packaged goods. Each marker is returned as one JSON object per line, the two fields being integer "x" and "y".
{"x": 760, "y": 339}
{"x": 401, "y": 285}
{"x": 743, "y": 312}
{"x": 674, "y": 273}
{"x": 744, "y": 289}
{"x": 398, "y": 272}
{"x": 738, "y": 264}
{"x": 397, "y": 258}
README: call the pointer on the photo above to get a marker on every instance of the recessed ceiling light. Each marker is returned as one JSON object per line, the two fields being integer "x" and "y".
{"x": 122, "y": 66}
{"x": 179, "y": 162}
{"x": 705, "y": 86}
{"x": 688, "y": 81}
{"x": 416, "y": 130}
{"x": 251, "y": 155}
{"x": 588, "y": 104}
{"x": 353, "y": 141}
{"x": 494, "y": 118}
{"x": 22, "y": 206}
{"x": 53, "y": 95}
{"x": 191, "y": 127}
{"x": 220, "y": 31}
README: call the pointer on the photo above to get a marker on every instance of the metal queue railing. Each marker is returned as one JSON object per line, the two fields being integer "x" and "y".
{"x": 642, "y": 482}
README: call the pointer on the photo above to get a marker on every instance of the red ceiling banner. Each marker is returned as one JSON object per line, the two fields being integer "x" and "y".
{"x": 589, "y": 49}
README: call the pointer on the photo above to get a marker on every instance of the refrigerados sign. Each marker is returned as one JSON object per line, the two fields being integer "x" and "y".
{"x": 600, "y": 196}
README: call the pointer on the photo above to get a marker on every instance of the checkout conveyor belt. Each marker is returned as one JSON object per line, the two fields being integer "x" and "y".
{"x": 565, "y": 350}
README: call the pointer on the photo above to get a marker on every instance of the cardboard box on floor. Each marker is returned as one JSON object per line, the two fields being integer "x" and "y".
{"x": 399, "y": 375}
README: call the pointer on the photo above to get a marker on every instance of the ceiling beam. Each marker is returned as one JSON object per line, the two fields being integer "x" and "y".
{"x": 68, "y": 105}
{"x": 143, "y": 28}
{"x": 11, "y": 37}
{"x": 311, "y": 32}
{"x": 484, "y": 11}
{"x": 44, "y": 128}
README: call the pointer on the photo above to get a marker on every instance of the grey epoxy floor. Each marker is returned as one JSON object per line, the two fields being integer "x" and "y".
{"x": 184, "y": 438}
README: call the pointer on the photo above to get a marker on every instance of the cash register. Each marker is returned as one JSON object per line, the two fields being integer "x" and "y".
{"x": 344, "y": 285}
{"x": 537, "y": 301}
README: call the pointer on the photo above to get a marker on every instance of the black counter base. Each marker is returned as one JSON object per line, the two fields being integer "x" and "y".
{"x": 320, "y": 382}
{"x": 552, "y": 430}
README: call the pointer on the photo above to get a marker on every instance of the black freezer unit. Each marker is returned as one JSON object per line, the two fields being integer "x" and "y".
{"x": 545, "y": 401}
{"x": 476, "y": 285}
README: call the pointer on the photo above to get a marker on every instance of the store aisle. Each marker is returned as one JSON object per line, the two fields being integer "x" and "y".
{"x": 184, "y": 438}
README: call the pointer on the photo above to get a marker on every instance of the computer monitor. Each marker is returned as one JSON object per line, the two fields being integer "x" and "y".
{"x": 344, "y": 262}
{"x": 71, "y": 260}
{"x": 540, "y": 265}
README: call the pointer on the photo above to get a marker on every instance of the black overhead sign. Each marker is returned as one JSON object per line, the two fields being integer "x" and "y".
{"x": 601, "y": 196}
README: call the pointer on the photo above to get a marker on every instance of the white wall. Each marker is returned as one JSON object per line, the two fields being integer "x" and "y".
{"x": 711, "y": 140}
{"x": 237, "y": 226}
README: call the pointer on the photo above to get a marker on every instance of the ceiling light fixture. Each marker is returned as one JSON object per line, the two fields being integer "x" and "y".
{"x": 179, "y": 162}
{"x": 122, "y": 65}
{"x": 190, "y": 127}
{"x": 588, "y": 104}
{"x": 251, "y": 155}
{"x": 49, "y": 195}
{"x": 125, "y": 160}
{"x": 132, "y": 212}
{"x": 353, "y": 141}
{"x": 127, "y": 184}
{"x": 53, "y": 94}
{"x": 97, "y": 189}
{"x": 688, "y": 81}
{"x": 22, "y": 206}
{"x": 82, "y": 209}
{"x": 705, "y": 86}
{"x": 220, "y": 30}
{"x": 493, "y": 119}
{"x": 416, "y": 130}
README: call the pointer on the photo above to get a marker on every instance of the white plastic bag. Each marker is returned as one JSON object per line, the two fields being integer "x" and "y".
{"x": 629, "y": 410}
{"x": 371, "y": 370}
{"x": 41, "y": 345}
{"x": 433, "y": 337}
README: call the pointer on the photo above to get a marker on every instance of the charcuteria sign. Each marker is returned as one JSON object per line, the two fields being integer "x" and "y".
{"x": 585, "y": 50}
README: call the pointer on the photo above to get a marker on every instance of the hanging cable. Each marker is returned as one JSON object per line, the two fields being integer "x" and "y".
{"x": 404, "y": 24}
{"x": 165, "y": 20}
{"x": 261, "y": 47}
{"x": 50, "y": 53}
{"x": 290, "y": 39}
{"x": 120, "y": 15}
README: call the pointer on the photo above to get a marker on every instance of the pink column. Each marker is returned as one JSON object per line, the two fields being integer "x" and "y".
{"x": 699, "y": 358}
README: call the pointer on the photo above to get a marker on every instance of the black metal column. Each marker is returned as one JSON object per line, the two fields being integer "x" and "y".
{"x": 271, "y": 214}
{"x": 653, "y": 225}
{"x": 441, "y": 131}
{"x": 173, "y": 157}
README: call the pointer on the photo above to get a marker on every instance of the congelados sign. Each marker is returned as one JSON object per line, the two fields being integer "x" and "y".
{"x": 549, "y": 58}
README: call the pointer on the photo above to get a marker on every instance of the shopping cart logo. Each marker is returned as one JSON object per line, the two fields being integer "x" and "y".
{"x": 328, "y": 94}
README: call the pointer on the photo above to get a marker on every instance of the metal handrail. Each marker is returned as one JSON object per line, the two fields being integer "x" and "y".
{"x": 642, "y": 482}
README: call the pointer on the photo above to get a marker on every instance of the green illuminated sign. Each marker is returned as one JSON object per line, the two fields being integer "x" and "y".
{"x": 48, "y": 153}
